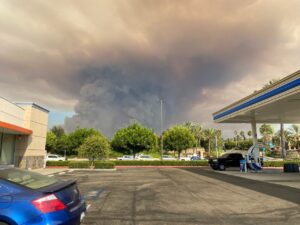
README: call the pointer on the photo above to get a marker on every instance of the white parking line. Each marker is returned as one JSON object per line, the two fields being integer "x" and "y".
{"x": 61, "y": 173}
{"x": 88, "y": 206}
{"x": 50, "y": 175}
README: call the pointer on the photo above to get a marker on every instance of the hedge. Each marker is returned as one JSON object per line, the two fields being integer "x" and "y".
{"x": 86, "y": 164}
{"x": 79, "y": 164}
{"x": 57, "y": 163}
{"x": 160, "y": 163}
{"x": 111, "y": 165}
{"x": 279, "y": 163}
{"x": 104, "y": 165}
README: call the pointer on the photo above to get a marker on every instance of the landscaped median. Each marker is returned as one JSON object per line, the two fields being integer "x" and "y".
{"x": 134, "y": 163}
{"x": 82, "y": 164}
{"x": 161, "y": 163}
{"x": 137, "y": 163}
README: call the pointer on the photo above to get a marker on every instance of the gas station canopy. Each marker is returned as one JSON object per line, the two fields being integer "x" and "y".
{"x": 277, "y": 103}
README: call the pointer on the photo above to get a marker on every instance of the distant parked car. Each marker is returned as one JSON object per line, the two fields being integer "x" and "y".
{"x": 146, "y": 158}
{"x": 195, "y": 158}
{"x": 226, "y": 160}
{"x": 185, "y": 158}
{"x": 30, "y": 198}
{"x": 168, "y": 157}
{"x": 52, "y": 157}
{"x": 126, "y": 157}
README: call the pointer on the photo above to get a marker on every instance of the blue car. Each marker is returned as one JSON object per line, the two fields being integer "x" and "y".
{"x": 29, "y": 198}
{"x": 195, "y": 158}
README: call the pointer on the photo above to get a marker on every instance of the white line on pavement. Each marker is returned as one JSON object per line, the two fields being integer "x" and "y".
{"x": 88, "y": 206}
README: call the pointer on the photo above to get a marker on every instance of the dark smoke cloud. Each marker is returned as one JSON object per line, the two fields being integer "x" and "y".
{"x": 112, "y": 61}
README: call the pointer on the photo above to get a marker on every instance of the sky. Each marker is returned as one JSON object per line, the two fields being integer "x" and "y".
{"x": 104, "y": 63}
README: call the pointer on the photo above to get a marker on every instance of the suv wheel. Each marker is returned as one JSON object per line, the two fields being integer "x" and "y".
{"x": 221, "y": 167}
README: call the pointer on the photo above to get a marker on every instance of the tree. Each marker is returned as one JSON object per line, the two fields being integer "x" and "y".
{"x": 229, "y": 144}
{"x": 58, "y": 131}
{"x": 196, "y": 130}
{"x": 209, "y": 135}
{"x": 77, "y": 137}
{"x": 134, "y": 139}
{"x": 51, "y": 141}
{"x": 63, "y": 145}
{"x": 178, "y": 138}
{"x": 294, "y": 132}
{"x": 249, "y": 133}
{"x": 242, "y": 133}
{"x": 236, "y": 137}
{"x": 95, "y": 147}
{"x": 267, "y": 131}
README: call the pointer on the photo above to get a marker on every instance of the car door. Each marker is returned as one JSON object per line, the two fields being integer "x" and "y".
{"x": 5, "y": 197}
{"x": 236, "y": 160}
{"x": 229, "y": 160}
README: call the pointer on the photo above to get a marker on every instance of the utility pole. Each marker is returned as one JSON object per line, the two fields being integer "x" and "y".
{"x": 161, "y": 129}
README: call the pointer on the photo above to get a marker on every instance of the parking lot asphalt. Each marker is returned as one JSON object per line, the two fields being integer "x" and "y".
{"x": 174, "y": 196}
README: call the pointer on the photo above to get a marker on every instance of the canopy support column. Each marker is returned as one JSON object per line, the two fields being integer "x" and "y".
{"x": 282, "y": 140}
{"x": 254, "y": 130}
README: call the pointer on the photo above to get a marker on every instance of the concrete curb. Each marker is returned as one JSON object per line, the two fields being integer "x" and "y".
{"x": 83, "y": 169}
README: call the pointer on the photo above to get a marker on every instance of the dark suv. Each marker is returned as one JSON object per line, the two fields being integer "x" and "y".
{"x": 226, "y": 160}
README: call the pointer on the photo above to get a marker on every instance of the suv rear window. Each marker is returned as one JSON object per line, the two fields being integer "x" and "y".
{"x": 26, "y": 178}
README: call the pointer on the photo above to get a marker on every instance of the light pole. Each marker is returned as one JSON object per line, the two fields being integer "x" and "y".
{"x": 161, "y": 130}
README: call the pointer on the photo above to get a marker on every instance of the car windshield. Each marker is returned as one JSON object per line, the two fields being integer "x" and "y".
{"x": 225, "y": 156}
{"x": 26, "y": 178}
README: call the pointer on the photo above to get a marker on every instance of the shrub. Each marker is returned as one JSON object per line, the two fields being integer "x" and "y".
{"x": 57, "y": 163}
{"x": 279, "y": 163}
{"x": 161, "y": 163}
{"x": 79, "y": 164}
{"x": 104, "y": 165}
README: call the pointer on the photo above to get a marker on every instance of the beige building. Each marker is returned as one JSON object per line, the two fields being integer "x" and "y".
{"x": 23, "y": 129}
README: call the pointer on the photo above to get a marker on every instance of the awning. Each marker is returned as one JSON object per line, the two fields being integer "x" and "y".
{"x": 13, "y": 129}
{"x": 277, "y": 103}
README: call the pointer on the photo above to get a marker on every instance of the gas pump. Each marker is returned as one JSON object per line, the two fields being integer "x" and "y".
{"x": 253, "y": 158}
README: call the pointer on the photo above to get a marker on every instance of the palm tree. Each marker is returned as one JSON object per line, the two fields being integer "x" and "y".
{"x": 198, "y": 133}
{"x": 196, "y": 130}
{"x": 209, "y": 135}
{"x": 267, "y": 132}
{"x": 188, "y": 124}
{"x": 242, "y": 133}
{"x": 236, "y": 137}
{"x": 249, "y": 133}
{"x": 294, "y": 131}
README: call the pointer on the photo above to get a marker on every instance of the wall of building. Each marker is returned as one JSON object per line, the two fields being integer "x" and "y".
{"x": 11, "y": 113}
{"x": 30, "y": 150}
